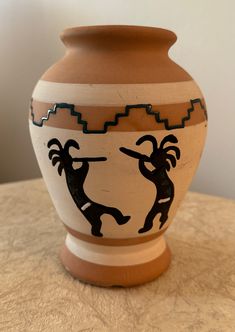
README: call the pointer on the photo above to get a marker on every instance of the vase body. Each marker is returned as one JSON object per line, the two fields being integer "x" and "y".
{"x": 118, "y": 130}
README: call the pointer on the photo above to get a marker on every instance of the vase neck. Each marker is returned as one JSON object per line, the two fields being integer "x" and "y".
{"x": 116, "y": 54}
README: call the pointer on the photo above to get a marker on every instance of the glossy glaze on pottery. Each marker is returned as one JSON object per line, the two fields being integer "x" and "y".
{"x": 118, "y": 130}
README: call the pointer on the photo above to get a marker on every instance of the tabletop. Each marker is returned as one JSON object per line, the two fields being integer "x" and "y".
{"x": 197, "y": 293}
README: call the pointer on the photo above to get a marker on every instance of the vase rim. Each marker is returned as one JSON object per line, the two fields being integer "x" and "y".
{"x": 123, "y": 31}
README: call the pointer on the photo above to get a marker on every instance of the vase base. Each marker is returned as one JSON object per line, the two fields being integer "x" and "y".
{"x": 112, "y": 274}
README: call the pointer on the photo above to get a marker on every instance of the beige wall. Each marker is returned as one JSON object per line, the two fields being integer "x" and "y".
{"x": 206, "y": 48}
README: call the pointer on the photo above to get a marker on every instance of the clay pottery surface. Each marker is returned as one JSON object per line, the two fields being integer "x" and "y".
{"x": 118, "y": 129}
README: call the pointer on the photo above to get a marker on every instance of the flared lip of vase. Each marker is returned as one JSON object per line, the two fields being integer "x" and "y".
{"x": 131, "y": 32}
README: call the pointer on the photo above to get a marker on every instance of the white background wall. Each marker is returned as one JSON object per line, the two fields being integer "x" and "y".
{"x": 206, "y": 48}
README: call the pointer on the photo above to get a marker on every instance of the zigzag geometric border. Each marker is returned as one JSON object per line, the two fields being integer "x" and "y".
{"x": 128, "y": 108}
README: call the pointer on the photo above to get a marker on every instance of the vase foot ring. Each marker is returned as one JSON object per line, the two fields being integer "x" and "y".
{"x": 90, "y": 264}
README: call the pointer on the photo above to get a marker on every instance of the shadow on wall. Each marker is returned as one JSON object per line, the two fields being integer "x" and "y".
{"x": 23, "y": 60}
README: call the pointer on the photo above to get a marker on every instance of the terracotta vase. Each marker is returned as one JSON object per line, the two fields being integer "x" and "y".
{"x": 118, "y": 130}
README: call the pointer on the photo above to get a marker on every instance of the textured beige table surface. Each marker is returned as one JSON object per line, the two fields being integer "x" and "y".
{"x": 197, "y": 293}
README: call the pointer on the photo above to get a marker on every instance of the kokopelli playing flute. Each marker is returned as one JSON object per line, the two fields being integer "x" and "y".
{"x": 161, "y": 159}
{"x": 75, "y": 179}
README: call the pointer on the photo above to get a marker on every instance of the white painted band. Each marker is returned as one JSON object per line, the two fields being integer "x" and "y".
{"x": 116, "y": 94}
{"x": 114, "y": 255}
{"x": 85, "y": 206}
{"x": 164, "y": 200}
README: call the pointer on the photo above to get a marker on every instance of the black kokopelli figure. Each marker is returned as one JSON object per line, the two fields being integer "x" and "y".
{"x": 162, "y": 160}
{"x": 75, "y": 179}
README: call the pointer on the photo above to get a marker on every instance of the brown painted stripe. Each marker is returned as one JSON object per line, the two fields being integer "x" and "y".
{"x": 114, "y": 242}
{"x": 103, "y": 275}
{"x": 138, "y": 119}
